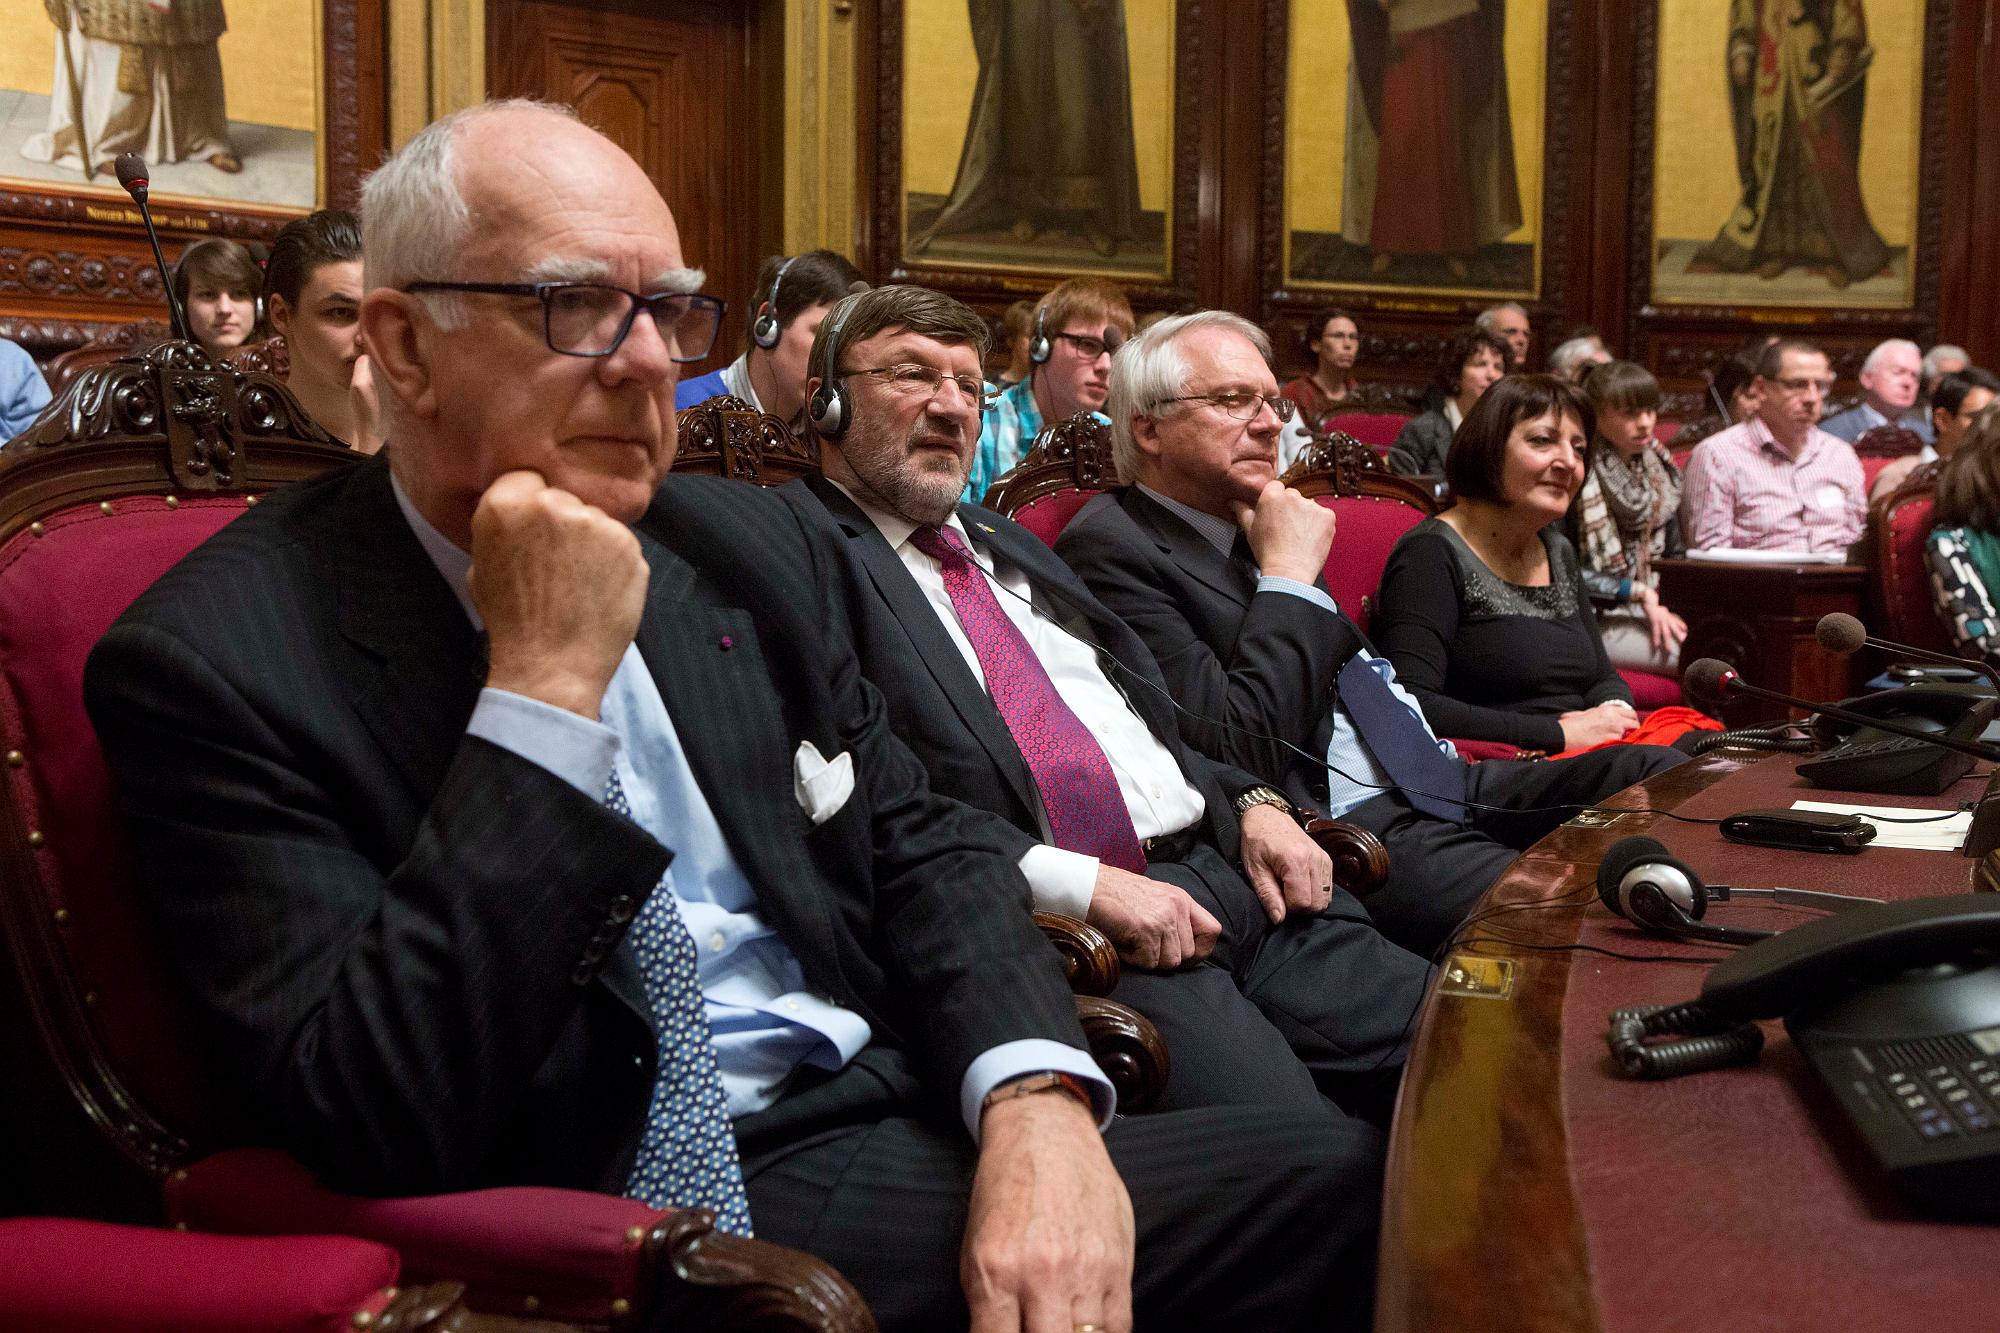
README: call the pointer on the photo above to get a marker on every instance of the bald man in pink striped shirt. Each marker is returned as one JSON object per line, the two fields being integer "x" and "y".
{"x": 1777, "y": 482}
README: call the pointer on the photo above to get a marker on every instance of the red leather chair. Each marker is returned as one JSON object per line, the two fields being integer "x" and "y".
{"x": 97, "y": 1277}
{"x": 1377, "y": 430}
{"x": 1069, "y": 463}
{"x": 1374, "y": 507}
{"x": 1898, "y": 525}
{"x": 137, "y": 463}
{"x": 1882, "y": 446}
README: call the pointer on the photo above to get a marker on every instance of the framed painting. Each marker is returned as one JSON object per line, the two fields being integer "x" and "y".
{"x": 1787, "y": 153}
{"x": 1413, "y": 155}
{"x": 1034, "y": 137}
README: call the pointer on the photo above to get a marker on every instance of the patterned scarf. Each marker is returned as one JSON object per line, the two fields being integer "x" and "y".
{"x": 1624, "y": 507}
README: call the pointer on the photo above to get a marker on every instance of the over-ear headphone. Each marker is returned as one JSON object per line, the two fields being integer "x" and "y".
{"x": 766, "y": 330}
{"x": 828, "y": 409}
{"x": 1640, "y": 880}
{"x": 1040, "y": 347}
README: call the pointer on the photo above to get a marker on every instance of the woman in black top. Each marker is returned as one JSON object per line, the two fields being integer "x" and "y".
{"x": 1483, "y": 610}
{"x": 1471, "y": 362}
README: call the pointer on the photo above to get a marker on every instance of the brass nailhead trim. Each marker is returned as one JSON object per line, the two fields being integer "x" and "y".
{"x": 89, "y": 999}
{"x": 180, "y": 1174}
{"x": 633, "y": 1235}
{"x": 15, "y": 759}
{"x": 531, "y": 1303}
{"x": 37, "y": 529}
{"x": 363, "y": 1319}
{"x": 249, "y": 499}
{"x": 621, "y": 1307}
{"x": 62, "y": 916}
{"x": 173, "y": 502}
{"x": 104, "y": 508}
{"x": 35, "y": 838}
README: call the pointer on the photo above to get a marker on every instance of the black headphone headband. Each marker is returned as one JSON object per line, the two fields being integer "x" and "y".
{"x": 828, "y": 409}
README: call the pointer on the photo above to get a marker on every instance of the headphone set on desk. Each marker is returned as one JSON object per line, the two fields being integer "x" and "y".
{"x": 1643, "y": 882}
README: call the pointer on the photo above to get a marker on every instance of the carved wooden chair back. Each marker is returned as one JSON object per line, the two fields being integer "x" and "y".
{"x": 125, "y": 340}
{"x": 1899, "y": 524}
{"x": 1070, "y": 462}
{"x": 1375, "y": 507}
{"x": 1882, "y": 446}
{"x": 726, "y": 437}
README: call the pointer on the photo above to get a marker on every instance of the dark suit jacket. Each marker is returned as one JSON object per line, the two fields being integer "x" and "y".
{"x": 1248, "y": 666}
{"x": 938, "y": 706}
{"x": 403, "y": 943}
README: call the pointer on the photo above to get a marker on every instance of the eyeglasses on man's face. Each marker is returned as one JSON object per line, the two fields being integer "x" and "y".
{"x": 1805, "y": 384}
{"x": 1089, "y": 346}
{"x": 593, "y": 318}
{"x": 908, "y": 377}
{"x": 1240, "y": 405}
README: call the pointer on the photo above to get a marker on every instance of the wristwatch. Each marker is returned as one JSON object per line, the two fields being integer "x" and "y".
{"x": 1261, "y": 795}
{"x": 1048, "y": 1080}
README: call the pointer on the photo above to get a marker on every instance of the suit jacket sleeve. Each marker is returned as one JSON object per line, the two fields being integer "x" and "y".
{"x": 384, "y": 1022}
{"x": 1244, "y": 699}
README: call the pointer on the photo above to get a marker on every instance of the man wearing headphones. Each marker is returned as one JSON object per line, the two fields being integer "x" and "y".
{"x": 1077, "y": 327}
{"x": 792, "y": 296}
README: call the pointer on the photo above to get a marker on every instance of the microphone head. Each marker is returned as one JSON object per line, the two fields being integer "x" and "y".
{"x": 1707, "y": 678}
{"x": 1839, "y": 632}
{"x": 132, "y": 174}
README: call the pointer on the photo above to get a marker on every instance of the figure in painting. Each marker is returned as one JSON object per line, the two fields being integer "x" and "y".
{"x": 1049, "y": 143}
{"x": 1798, "y": 79}
{"x": 1427, "y": 99}
{"x": 138, "y": 76}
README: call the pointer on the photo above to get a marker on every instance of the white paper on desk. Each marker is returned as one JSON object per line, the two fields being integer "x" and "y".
{"x": 1730, "y": 556}
{"x": 1938, "y": 835}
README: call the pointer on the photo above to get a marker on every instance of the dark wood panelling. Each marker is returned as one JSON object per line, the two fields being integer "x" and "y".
{"x": 75, "y": 263}
{"x": 675, "y": 92}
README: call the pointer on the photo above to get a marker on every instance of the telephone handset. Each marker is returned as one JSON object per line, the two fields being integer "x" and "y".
{"x": 1896, "y": 1006}
{"x": 1865, "y": 759}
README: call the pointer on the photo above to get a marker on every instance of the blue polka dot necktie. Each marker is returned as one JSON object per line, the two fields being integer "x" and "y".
{"x": 687, "y": 1156}
{"x": 1086, "y": 810}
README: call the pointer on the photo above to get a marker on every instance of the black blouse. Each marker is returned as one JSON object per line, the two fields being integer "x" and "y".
{"x": 1487, "y": 659}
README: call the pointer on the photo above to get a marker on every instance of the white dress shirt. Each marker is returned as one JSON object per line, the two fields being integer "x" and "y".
{"x": 1157, "y": 794}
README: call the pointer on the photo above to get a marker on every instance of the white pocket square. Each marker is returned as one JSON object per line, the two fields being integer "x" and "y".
{"x": 821, "y": 786}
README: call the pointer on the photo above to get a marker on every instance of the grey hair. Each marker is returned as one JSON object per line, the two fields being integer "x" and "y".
{"x": 1149, "y": 369}
{"x": 1940, "y": 353}
{"x": 1886, "y": 346}
{"x": 1571, "y": 354}
{"x": 414, "y": 214}
{"x": 1486, "y": 320}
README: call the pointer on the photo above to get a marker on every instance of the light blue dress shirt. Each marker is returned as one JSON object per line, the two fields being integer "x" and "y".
{"x": 764, "y": 1021}
{"x": 1353, "y": 775}
{"x": 23, "y": 391}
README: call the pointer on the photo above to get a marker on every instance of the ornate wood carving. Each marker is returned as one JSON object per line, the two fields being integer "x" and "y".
{"x": 1889, "y": 442}
{"x": 1128, "y": 1048}
{"x": 1193, "y": 103}
{"x": 1339, "y": 464}
{"x": 1090, "y": 963}
{"x": 726, "y": 437}
{"x": 1072, "y": 455}
{"x": 1360, "y": 861}
{"x": 716, "y": 1280}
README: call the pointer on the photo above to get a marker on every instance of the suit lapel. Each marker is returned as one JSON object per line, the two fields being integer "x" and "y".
{"x": 706, "y": 659}
{"x": 1189, "y": 549}
{"x": 929, "y": 642}
{"x": 429, "y": 663}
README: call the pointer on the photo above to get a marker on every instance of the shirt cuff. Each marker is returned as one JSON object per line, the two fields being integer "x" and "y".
{"x": 1058, "y": 880}
{"x": 1032, "y": 1055}
{"x": 573, "y": 747}
{"x": 1278, "y": 583}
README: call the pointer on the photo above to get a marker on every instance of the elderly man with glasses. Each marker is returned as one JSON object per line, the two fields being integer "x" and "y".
{"x": 1777, "y": 482}
{"x": 1217, "y": 566}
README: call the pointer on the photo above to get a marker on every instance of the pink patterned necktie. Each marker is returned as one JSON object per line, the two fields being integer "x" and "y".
{"x": 1086, "y": 811}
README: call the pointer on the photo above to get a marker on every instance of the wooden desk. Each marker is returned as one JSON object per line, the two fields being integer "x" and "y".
{"x": 1728, "y": 1206}
{"x": 1761, "y": 620}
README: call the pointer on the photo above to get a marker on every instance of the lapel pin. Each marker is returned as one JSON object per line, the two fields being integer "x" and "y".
{"x": 983, "y": 527}
{"x": 725, "y": 643}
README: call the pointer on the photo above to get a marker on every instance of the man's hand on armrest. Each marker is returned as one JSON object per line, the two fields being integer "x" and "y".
{"x": 1152, "y": 924}
{"x": 1289, "y": 871}
{"x": 1049, "y": 1233}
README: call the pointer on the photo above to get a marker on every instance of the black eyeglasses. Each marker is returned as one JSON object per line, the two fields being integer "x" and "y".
{"x": 592, "y": 318}
{"x": 1241, "y": 406}
{"x": 1090, "y": 347}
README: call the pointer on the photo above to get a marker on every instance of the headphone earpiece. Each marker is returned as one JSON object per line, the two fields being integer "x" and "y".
{"x": 1040, "y": 347}
{"x": 827, "y": 411}
{"x": 766, "y": 330}
{"x": 1640, "y": 880}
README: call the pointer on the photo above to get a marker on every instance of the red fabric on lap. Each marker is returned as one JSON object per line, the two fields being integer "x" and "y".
{"x": 63, "y": 1273}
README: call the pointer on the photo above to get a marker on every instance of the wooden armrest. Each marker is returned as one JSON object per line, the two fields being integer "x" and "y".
{"x": 1360, "y": 861}
{"x": 531, "y": 1250}
{"x": 1090, "y": 964}
{"x": 1128, "y": 1048}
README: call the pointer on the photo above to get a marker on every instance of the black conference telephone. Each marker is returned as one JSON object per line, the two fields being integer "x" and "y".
{"x": 1896, "y": 1007}
{"x": 1864, "y": 759}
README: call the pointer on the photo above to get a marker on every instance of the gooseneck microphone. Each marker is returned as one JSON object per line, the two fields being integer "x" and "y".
{"x": 1710, "y": 679}
{"x": 1841, "y": 633}
{"x": 132, "y": 174}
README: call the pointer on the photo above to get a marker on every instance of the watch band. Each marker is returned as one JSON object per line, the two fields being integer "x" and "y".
{"x": 1251, "y": 797}
{"x": 1048, "y": 1080}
